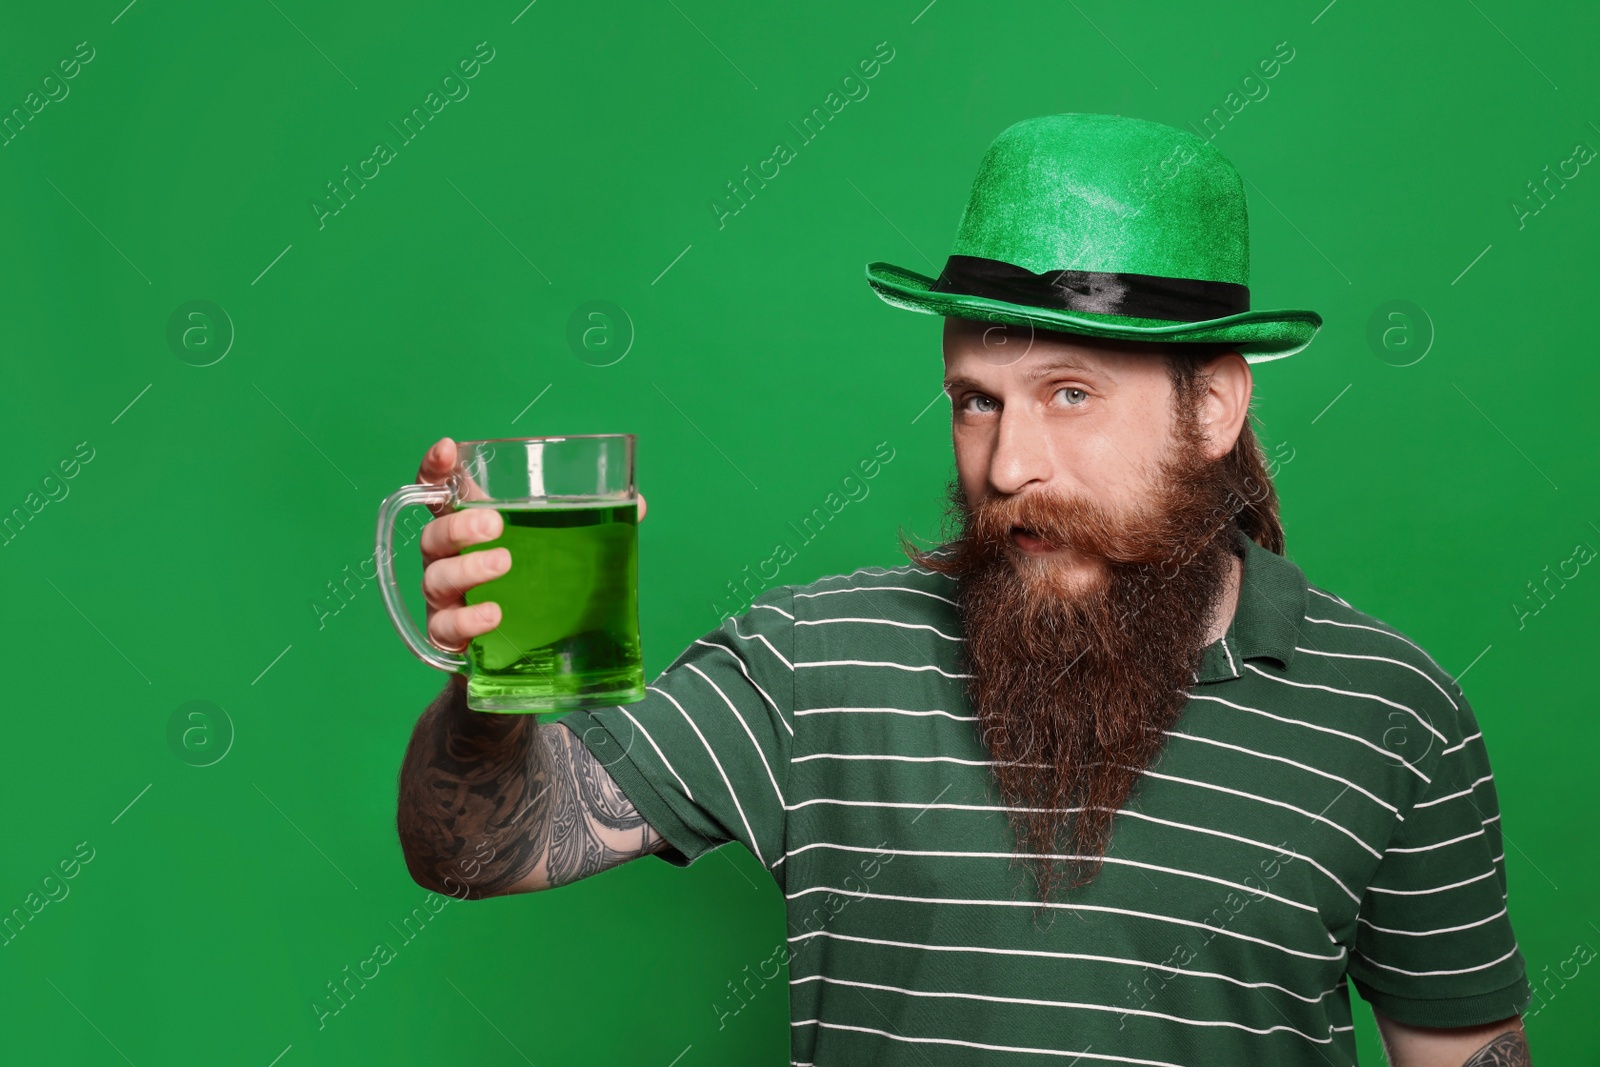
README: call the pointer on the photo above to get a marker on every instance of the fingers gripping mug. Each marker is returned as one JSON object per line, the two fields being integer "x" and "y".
{"x": 569, "y": 626}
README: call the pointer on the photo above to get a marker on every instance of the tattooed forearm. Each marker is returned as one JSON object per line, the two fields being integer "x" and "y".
{"x": 588, "y": 805}
{"x": 1507, "y": 1050}
{"x": 493, "y": 803}
{"x": 465, "y": 778}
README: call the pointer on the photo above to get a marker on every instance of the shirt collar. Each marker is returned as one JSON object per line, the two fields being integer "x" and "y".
{"x": 1266, "y": 623}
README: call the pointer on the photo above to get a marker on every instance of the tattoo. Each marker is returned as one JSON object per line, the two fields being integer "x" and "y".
{"x": 588, "y": 804}
{"x": 1507, "y": 1050}
{"x": 489, "y": 799}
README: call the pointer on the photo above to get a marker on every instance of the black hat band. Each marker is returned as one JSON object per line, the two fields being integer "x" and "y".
{"x": 1144, "y": 296}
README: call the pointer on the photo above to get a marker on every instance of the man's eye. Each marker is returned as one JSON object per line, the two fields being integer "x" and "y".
{"x": 1074, "y": 396}
{"x": 977, "y": 399}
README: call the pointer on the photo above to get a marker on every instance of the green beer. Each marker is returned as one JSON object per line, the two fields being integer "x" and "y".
{"x": 569, "y": 632}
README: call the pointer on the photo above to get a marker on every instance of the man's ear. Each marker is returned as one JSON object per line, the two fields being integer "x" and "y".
{"x": 1226, "y": 403}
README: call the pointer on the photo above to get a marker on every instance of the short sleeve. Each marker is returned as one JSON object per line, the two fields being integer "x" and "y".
{"x": 704, "y": 757}
{"x": 1434, "y": 944}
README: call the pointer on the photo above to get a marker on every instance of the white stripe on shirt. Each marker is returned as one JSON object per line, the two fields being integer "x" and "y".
{"x": 876, "y": 572}
{"x": 1430, "y": 974}
{"x": 1328, "y": 596}
{"x": 882, "y": 622}
{"x": 1426, "y": 933}
{"x": 1451, "y": 796}
{"x": 742, "y": 670}
{"x": 1084, "y": 1055}
{"x": 956, "y": 854}
{"x": 1350, "y": 693}
{"x": 992, "y": 951}
{"x": 755, "y": 846}
{"x": 1292, "y": 763}
{"x": 884, "y": 588}
{"x": 640, "y": 727}
{"x": 904, "y": 759}
{"x": 1269, "y": 801}
{"x": 1429, "y": 848}
{"x": 876, "y": 663}
{"x": 1376, "y": 630}
{"x": 1081, "y": 1005}
{"x": 1320, "y": 729}
{"x": 1126, "y": 813}
{"x": 1426, "y": 892}
{"x": 763, "y": 639}
{"x": 887, "y": 711}
{"x": 756, "y": 744}
{"x": 1385, "y": 659}
{"x": 1461, "y": 744}
{"x": 1193, "y": 923}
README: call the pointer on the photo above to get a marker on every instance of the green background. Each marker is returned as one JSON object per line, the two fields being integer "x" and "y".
{"x": 189, "y": 556}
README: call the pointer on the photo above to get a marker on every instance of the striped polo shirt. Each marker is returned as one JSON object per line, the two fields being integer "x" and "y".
{"x": 1322, "y": 808}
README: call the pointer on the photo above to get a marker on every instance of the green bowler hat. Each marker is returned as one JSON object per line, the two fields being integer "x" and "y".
{"x": 1107, "y": 226}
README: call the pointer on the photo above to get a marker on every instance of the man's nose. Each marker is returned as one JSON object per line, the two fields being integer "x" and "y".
{"x": 1021, "y": 453}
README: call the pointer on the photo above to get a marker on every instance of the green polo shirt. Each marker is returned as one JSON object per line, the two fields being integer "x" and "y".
{"x": 1322, "y": 809}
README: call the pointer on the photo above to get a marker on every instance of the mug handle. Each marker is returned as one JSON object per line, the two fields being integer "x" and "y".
{"x": 404, "y": 624}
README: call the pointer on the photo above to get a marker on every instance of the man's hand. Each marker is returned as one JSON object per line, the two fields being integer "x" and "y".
{"x": 1501, "y": 1044}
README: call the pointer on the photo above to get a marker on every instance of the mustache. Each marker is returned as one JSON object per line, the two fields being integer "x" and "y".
{"x": 1070, "y": 522}
{"x": 1145, "y": 536}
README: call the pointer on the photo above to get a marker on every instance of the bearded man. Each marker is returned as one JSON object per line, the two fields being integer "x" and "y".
{"x": 1103, "y": 777}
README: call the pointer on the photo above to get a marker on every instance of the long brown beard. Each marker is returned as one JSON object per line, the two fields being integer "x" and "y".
{"x": 1074, "y": 687}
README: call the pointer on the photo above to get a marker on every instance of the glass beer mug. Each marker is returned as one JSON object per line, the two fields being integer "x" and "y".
{"x": 569, "y": 625}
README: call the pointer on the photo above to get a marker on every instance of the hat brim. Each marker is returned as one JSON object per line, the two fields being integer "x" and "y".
{"x": 1261, "y": 336}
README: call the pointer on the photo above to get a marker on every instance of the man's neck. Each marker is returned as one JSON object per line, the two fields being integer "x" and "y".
{"x": 1228, "y": 602}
